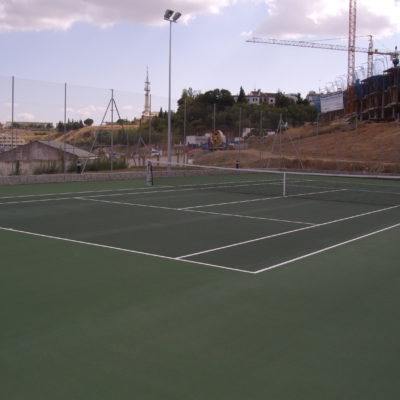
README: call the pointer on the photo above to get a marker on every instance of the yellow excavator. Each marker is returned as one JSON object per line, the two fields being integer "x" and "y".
{"x": 218, "y": 140}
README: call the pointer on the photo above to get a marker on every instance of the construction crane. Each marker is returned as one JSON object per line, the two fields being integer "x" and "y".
{"x": 351, "y": 57}
{"x": 350, "y": 48}
{"x": 316, "y": 45}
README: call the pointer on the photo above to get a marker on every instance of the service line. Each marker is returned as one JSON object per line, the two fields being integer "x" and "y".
{"x": 326, "y": 249}
{"x": 123, "y": 250}
{"x": 287, "y": 232}
{"x": 193, "y": 211}
{"x": 263, "y": 199}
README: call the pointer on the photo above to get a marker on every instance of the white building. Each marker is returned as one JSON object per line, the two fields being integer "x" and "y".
{"x": 259, "y": 97}
{"x": 8, "y": 141}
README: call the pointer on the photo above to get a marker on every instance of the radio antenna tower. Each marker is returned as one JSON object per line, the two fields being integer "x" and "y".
{"x": 147, "y": 107}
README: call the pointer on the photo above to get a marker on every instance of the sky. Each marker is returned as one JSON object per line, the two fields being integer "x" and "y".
{"x": 97, "y": 45}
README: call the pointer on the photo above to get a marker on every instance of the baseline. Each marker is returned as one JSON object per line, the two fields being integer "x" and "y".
{"x": 123, "y": 250}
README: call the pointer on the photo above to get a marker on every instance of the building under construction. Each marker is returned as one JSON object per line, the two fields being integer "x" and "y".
{"x": 377, "y": 97}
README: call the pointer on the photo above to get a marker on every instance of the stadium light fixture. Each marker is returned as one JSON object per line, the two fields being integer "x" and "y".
{"x": 176, "y": 16}
{"x": 170, "y": 16}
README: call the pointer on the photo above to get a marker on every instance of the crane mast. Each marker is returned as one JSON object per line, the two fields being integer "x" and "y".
{"x": 351, "y": 57}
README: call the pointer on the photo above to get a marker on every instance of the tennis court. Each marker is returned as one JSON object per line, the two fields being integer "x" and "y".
{"x": 239, "y": 286}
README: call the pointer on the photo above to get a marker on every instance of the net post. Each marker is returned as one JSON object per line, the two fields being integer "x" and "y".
{"x": 284, "y": 184}
{"x": 149, "y": 174}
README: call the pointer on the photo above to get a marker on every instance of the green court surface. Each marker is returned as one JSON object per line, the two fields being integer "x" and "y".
{"x": 200, "y": 288}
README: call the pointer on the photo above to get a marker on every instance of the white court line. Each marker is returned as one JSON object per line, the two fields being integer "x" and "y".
{"x": 326, "y": 249}
{"x": 188, "y": 189}
{"x": 110, "y": 195}
{"x": 139, "y": 188}
{"x": 287, "y": 232}
{"x": 75, "y": 193}
{"x": 125, "y": 204}
{"x": 351, "y": 187}
{"x": 122, "y": 249}
{"x": 273, "y": 181}
{"x": 87, "y": 197}
{"x": 263, "y": 199}
{"x": 193, "y": 211}
{"x": 248, "y": 216}
{"x": 395, "y": 182}
{"x": 35, "y": 201}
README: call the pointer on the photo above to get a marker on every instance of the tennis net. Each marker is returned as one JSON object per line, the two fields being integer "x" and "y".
{"x": 364, "y": 189}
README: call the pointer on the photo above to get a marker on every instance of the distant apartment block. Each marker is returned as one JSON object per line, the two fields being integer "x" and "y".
{"x": 8, "y": 141}
{"x": 28, "y": 125}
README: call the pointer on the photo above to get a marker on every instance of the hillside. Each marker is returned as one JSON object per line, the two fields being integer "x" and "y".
{"x": 368, "y": 147}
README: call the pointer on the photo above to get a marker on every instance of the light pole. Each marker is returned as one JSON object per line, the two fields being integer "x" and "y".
{"x": 170, "y": 16}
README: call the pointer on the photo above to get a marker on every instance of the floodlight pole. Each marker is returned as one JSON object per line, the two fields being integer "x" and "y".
{"x": 65, "y": 127}
{"x": 169, "y": 150}
{"x": 184, "y": 123}
{"x": 12, "y": 112}
{"x": 170, "y": 16}
{"x": 112, "y": 129}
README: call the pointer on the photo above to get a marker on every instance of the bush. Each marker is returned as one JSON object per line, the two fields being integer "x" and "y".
{"x": 51, "y": 168}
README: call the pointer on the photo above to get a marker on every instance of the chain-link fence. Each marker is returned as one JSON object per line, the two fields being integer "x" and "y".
{"x": 72, "y": 128}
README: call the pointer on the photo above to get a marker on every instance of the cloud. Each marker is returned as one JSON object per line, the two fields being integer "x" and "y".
{"x": 62, "y": 14}
{"x": 86, "y": 112}
{"x": 293, "y": 18}
{"x": 283, "y": 18}
{"x": 28, "y": 117}
{"x": 246, "y": 33}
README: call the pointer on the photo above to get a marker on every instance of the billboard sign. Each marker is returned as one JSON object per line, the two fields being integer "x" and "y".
{"x": 332, "y": 102}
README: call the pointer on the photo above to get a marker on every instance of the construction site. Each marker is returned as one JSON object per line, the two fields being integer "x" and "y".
{"x": 374, "y": 98}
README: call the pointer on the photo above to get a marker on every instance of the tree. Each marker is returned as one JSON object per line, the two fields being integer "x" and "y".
{"x": 300, "y": 100}
{"x": 282, "y": 101}
{"x": 242, "y": 96}
{"x": 220, "y": 97}
{"x": 88, "y": 122}
{"x": 60, "y": 126}
{"x": 188, "y": 95}
{"x": 71, "y": 125}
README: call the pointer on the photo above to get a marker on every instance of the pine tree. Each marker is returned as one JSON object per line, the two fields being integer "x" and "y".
{"x": 242, "y": 96}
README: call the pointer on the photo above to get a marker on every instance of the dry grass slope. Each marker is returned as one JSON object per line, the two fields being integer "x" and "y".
{"x": 368, "y": 147}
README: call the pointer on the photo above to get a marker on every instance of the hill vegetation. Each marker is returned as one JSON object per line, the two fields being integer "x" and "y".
{"x": 338, "y": 145}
